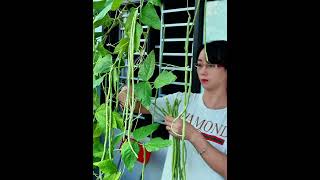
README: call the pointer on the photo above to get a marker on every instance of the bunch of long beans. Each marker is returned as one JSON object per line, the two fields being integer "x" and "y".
{"x": 177, "y": 163}
{"x": 179, "y": 149}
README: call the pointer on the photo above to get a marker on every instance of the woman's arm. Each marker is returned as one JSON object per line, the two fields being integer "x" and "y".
{"x": 214, "y": 158}
{"x": 122, "y": 98}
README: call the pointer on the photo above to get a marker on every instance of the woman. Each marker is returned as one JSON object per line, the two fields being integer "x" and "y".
{"x": 206, "y": 127}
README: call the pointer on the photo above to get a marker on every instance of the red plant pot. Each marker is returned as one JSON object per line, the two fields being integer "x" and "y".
{"x": 141, "y": 156}
{"x": 141, "y": 151}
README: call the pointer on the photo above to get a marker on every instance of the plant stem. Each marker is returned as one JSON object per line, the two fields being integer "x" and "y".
{"x": 144, "y": 162}
{"x": 195, "y": 15}
{"x": 110, "y": 113}
{"x": 114, "y": 22}
{"x": 141, "y": 4}
{"x": 131, "y": 75}
{"x": 117, "y": 85}
{"x": 205, "y": 31}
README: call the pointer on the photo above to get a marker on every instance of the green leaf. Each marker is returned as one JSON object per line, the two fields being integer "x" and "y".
{"x": 114, "y": 122}
{"x": 96, "y": 57}
{"x": 128, "y": 23}
{"x": 98, "y": 154}
{"x": 103, "y": 65}
{"x": 96, "y": 99}
{"x": 122, "y": 46}
{"x": 157, "y": 143}
{"x": 164, "y": 78}
{"x": 115, "y": 78}
{"x": 97, "y": 148}
{"x": 107, "y": 166}
{"x": 150, "y": 17}
{"x": 117, "y": 139}
{"x": 106, "y": 21}
{"x": 128, "y": 156}
{"x": 116, "y": 4}
{"x": 137, "y": 36}
{"x": 98, "y": 5}
{"x": 146, "y": 68}
{"x": 144, "y": 131}
{"x": 101, "y": 50}
{"x": 143, "y": 93}
{"x": 115, "y": 176}
{"x": 97, "y": 82}
{"x": 155, "y": 2}
{"x": 98, "y": 130}
{"x": 117, "y": 121}
{"x": 102, "y": 13}
{"x": 100, "y": 115}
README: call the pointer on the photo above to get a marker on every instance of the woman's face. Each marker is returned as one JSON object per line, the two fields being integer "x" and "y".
{"x": 211, "y": 76}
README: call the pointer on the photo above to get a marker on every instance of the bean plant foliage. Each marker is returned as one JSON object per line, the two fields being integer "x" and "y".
{"x": 108, "y": 61}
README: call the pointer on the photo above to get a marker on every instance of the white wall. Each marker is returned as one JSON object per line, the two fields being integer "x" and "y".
{"x": 216, "y": 22}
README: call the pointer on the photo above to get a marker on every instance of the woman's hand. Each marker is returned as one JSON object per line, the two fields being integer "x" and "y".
{"x": 123, "y": 96}
{"x": 177, "y": 126}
